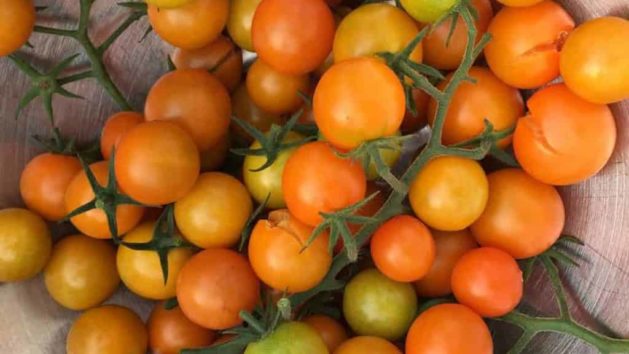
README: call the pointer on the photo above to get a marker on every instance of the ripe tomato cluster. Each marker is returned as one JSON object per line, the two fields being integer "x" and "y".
{"x": 165, "y": 211}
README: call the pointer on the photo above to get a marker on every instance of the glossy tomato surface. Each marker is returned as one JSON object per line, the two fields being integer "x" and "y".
{"x": 115, "y": 128}
{"x": 366, "y": 344}
{"x": 17, "y": 19}
{"x": 170, "y": 331}
{"x": 296, "y": 337}
{"x": 331, "y": 331}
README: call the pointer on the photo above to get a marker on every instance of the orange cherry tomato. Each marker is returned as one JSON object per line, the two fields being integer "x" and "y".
{"x": 191, "y": 26}
{"x": 116, "y": 127}
{"x": 157, "y": 163}
{"x": 330, "y": 330}
{"x": 450, "y": 246}
{"x": 195, "y": 100}
{"x": 274, "y": 91}
{"x": 564, "y": 139}
{"x": 244, "y": 108}
{"x": 472, "y": 103}
{"x": 278, "y": 255}
{"x": 316, "y": 180}
{"x": 170, "y": 331}
{"x": 44, "y": 181}
{"x": 214, "y": 286}
{"x": 524, "y": 50}
{"x": 523, "y": 216}
{"x": 17, "y": 20}
{"x": 413, "y": 123}
{"x": 365, "y": 344}
{"x": 94, "y": 222}
{"x": 518, "y": 3}
{"x": 358, "y": 99}
{"x": 403, "y": 249}
{"x": 293, "y": 37}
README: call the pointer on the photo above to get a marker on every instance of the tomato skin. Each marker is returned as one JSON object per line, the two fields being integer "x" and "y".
{"x": 523, "y": 216}
{"x": 472, "y": 103}
{"x": 293, "y": 37}
{"x": 413, "y": 123}
{"x": 195, "y": 100}
{"x": 214, "y": 286}
{"x": 157, "y": 163}
{"x": 25, "y": 244}
{"x": 170, "y": 331}
{"x": 375, "y": 305}
{"x": 449, "y": 328}
{"x": 518, "y": 3}
{"x": 107, "y": 329}
{"x": 449, "y": 193}
{"x": 450, "y": 247}
{"x": 564, "y": 139}
{"x": 366, "y": 344}
{"x": 330, "y": 330}
{"x": 44, "y": 181}
{"x": 214, "y": 212}
{"x": 590, "y": 60}
{"x": 240, "y": 21}
{"x": 17, "y": 20}
{"x": 94, "y": 223}
{"x": 358, "y": 99}
{"x": 373, "y": 29}
{"x": 295, "y": 337}
{"x": 489, "y": 281}
{"x": 245, "y": 109}
{"x": 403, "y": 249}
{"x": 213, "y": 158}
{"x": 274, "y": 91}
{"x": 191, "y": 26}
{"x": 524, "y": 50}
{"x": 81, "y": 272}
{"x": 116, "y": 127}
{"x": 316, "y": 180}
{"x": 428, "y": 11}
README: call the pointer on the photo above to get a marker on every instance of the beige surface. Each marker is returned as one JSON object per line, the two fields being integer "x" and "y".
{"x": 31, "y": 323}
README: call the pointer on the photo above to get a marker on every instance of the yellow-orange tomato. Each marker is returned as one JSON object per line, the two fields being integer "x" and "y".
{"x": 524, "y": 50}
{"x": 444, "y": 55}
{"x": 450, "y": 246}
{"x": 273, "y": 91}
{"x": 214, "y": 212}
{"x": 17, "y": 19}
{"x": 594, "y": 61}
{"x": 330, "y": 330}
{"x": 241, "y": 14}
{"x": 191, "y": 26}
{"x": 245, "y": 109}
{"x": 213, "y": 158}
{"x": 44, "y": 181}
{"x": 220, "y": 57}
{"x": 278, "y": 256}
{"x": 195, "y": 100}
{"x": 168, "y": 3}
{"x": 115, "y": 129}
{"x": 517, "y": 3}
{"x": 472, "y": 103}
{"x": 375, "y": 28}
{"x": 365, "y": 344}
{"x": 94, "y": 222}
{"x": 170, "y": 331}
{"x": 449, "y": 193}
{"x": 564, "y": 139}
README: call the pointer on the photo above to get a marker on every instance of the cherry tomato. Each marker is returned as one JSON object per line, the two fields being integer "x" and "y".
{"x": 524, "y": 50}
{"x": 293, "y": 37}
{"x": 157, "y": 163}
{"x": 273, "y": 91}
{"x": 564, "y": 139}
{"x": 489, "y": 281}
{"x": 168, "y": 3}
{"x": 245, "y": 109}
{"x": 94, "y": 222}
{"x": 268, "y": 182}
{"x": 17, "y": 20}
{"x": 428, "y": 11}
{"x": 358, "y": 99}
{"x": 389, "y": 155}
{"x": 195, "y": 100}
{"x": 444, "y": 55}
{"x": 117, "y": 126}
{"x": 214, "y": 286}
{"x": 240, "y": 20}
{"x": 330, "y": 330}
{"x": 450, "y": 247}
{"x": 518, "y": 3}
{"x": 375, "y": 305}
{"x": 472, "y": 103}
{"x": 591, "y": 60}
{"x": 449, "y": 328}
{"x": 403, "y": 249}
{"x": 81, "y": 272}
{"x": 295, "y": 337}
{"x": 316, "y": 180}
{"x": 107, "y": 329}
{"x": 214, "y": 158}
{"x": 191, "y": 26}
{"x": 44, "y": 181}
{"x": 141, "y": 271}
{"x": 170, "y": 331}
{"x": 371, "y": 345}
{"x": 523, "y": 216}
{"x": 413, "y": 123}
{"x": 278, "y": 255}
{"x": 214, "y": 212}
{"x": 449, "y": 193}
{"x": 25, "y": 244}
{"x": 373, "y": 29}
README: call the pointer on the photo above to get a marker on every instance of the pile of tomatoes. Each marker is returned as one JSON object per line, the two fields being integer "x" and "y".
{"x": 466, "y": 226}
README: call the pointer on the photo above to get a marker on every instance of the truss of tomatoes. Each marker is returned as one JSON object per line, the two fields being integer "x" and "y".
{"x": 313, "y": 239}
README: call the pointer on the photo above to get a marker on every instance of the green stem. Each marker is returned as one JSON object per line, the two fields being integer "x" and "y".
{"x": 76, "y": 77}
{"x": 55, "y": 31}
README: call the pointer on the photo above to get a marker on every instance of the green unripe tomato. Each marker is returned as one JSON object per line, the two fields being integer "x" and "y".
{"x": 428, "y": 11}
{"x": 290, "y": 337}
